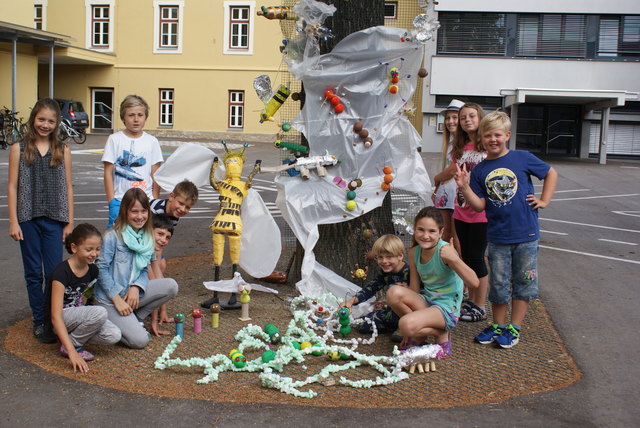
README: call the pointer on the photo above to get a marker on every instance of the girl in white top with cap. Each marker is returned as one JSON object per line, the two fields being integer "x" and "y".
{"x": 445, "y": 187}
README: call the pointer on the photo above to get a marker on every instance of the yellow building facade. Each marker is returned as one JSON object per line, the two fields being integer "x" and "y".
{"x": 194, "y": 61}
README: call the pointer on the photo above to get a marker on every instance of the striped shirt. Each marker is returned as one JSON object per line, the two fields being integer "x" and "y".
{"x": 159, "y": 206}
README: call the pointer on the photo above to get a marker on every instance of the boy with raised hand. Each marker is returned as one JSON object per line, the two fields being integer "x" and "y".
{"x": 501, "y": 185}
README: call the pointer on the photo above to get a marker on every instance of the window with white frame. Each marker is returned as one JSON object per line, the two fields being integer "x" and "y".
{"x": 166, "y": 107}
{"x": 391, "y": 10}
{"x": 39, "y": 15}
{"x": 99, "y": 16}
{"x": 100, "y": 26}
{"x": 238, "y": 27}
{"x": 168, "y": 23}
{"x": 236, "y": 109}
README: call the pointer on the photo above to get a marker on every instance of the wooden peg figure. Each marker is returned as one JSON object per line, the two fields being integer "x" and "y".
{"x": 179, "y": 321}
{"x": 197, "y": 314}
{"x": 244, "y": 290}
{"x": 227, "y": 222}
{"x": 215, "y": 315}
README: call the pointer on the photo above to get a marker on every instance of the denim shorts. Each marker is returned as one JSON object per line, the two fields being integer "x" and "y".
{"x": 450, "y": 320}
{"x": 513, "y": 272}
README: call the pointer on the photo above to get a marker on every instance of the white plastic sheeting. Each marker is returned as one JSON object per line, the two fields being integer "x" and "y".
{"x": 358, "y": 71}
{"x": 260, "y": 245}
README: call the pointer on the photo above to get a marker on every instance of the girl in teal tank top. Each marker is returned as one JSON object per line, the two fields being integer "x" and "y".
{"x": 430, "y": 306}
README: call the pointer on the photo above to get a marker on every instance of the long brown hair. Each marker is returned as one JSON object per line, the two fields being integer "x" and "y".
{"x": 447, "y": 136}
{"x": 56, "y": 146}
{"x": 462, "y": 138}
{"x": 130, "y": 197}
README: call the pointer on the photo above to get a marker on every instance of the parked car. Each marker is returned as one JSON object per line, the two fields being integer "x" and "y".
{"x": 73, "y": 112}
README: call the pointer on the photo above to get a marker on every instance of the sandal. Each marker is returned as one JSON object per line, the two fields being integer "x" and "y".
{"x": 473, "y": 313}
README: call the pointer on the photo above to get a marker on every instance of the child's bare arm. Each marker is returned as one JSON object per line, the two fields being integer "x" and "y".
{"x": 548, "y": 189}
{"x": 155, "y": 189}
{"x": 450, "y": 257}
{"x": 57, "y": 295}
{"x": 462, "y": 180}
{"x": 414, "y": 278}
{"x": 108, "y": 180}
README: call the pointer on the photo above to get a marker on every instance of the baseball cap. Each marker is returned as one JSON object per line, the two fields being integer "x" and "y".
{"x": 454, "y": 105}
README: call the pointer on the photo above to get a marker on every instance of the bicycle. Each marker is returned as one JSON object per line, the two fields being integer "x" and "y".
{"x": 79, "y": 136}
{"x": 13, "y": 129}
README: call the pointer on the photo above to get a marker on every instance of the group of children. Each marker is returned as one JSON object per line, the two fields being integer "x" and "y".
{"x": 493, "y": 202}
{"x": 494, "y": 208}
{"x": 123, "y": 273}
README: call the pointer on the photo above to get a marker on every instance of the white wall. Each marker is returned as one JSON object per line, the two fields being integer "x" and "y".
{"x": 486, "y": 76}
{"x": 542, "y": 6}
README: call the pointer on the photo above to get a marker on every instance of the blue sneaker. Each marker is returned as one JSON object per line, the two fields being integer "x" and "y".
{"x": 489, "y": 334}
{"x": 509, "y": 338}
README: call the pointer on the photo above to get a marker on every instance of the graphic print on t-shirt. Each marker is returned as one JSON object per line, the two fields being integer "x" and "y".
{"x": 502, "y": 185}
{"x": 468, "y": 161}
{"x": 125, "y": 165}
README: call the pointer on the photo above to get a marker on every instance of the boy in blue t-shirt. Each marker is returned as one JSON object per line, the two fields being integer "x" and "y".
{"x": 501, "y": 185}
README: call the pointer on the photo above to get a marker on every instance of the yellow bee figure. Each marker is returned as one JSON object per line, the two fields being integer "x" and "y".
{"x": 228, "y": 223}
{"x": 274, "y": 104}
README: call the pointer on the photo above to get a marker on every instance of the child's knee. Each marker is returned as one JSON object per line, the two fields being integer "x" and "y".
{"x": 172, "y": 287}
{"x": 395, "y": 293}
{"x": 137, "y": 340}
{"x": 101, "y": 314}
{"x": 115, "y": 335}
{"x": 408, "y": 326}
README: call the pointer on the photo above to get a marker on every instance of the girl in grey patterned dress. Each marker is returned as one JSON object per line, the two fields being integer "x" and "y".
{"x": 40, "y": 201}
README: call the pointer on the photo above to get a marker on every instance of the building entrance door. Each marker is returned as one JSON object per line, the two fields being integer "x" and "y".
{"x": 549, "y": 129}
{"x": 102, "y": 109}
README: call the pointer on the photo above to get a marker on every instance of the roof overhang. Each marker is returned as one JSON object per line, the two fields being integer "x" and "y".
{"x": 591, "y": 99}
{"x": 22, "y": 34}
{"x": 77, "y": 56}
{"x": 42, "y": 41}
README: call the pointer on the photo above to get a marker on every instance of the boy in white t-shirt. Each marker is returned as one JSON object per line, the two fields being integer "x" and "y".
{"x": 131, "y": 157}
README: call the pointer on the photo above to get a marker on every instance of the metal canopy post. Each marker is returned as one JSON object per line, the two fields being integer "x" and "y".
{"x": 51, "y": 49}
{"x": 14, "y": 67}
{"x": 604, "y": 134}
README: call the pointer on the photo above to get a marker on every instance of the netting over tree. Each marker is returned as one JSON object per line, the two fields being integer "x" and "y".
{"x": 343, "y": 245}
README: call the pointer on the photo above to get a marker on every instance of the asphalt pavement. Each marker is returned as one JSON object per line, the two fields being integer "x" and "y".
{"x": 589, "y": 268}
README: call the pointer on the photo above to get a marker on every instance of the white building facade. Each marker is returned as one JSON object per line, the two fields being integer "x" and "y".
{"x": 563, "y": 69}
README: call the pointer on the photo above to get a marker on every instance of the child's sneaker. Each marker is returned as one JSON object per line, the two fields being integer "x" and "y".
{"x": 489, "y": 334}
{"x": 473, "y": 313}
{"x": 86, "y": 355}
{"x": 396, "y": 337}
{"x": 509, "y": 338}
{"x": 366, "y": 327}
